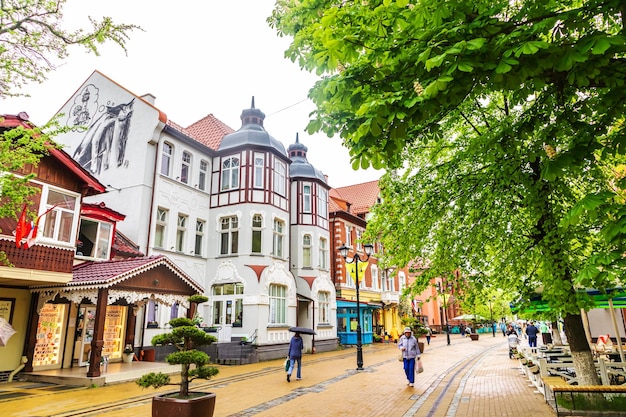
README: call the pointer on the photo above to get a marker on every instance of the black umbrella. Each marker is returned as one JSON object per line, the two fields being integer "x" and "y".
{"x": 303, "y": 330}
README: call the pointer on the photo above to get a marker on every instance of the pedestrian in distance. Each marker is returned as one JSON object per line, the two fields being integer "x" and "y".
{"x": 429, "y": 334}
{"x": 295, "y": 356}
{"x": 503, "y": 328}
{"x": 410, "y": 352}
{"x": 531, "y": 332}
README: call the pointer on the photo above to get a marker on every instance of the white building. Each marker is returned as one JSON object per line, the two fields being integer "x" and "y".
{"x": 232, "y": 209}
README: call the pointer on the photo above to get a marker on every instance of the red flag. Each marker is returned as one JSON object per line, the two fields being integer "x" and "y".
{"x": 31, "y": 238}
{"x": 22, "y": 228}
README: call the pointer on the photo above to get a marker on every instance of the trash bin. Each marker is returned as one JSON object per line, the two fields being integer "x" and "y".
{"x": 148, "y": 355}
{"x": 547, "y": 338}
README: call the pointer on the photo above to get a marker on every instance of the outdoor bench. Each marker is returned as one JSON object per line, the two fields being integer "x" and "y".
{"x": 579, "y": 400}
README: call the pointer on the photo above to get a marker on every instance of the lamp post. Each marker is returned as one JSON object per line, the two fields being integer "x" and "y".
{"x": 441, "y": 288}
{"x": 343, "y": 251}
{"x": 493, "y": 327}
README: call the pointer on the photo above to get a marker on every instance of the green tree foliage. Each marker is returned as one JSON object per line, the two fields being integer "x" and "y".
{"x": 499, "y": 118}
{"x": 32, "y": 40}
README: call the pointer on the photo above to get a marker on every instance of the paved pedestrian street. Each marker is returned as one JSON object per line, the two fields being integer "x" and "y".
{"x": 466, "y": 378}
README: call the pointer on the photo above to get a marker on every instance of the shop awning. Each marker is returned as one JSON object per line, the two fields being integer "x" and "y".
{"x": 352, "y": 304}
{"x": 600, "y": 300}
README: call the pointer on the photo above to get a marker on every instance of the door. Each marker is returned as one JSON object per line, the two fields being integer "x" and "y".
{"x": 84, "y": 334}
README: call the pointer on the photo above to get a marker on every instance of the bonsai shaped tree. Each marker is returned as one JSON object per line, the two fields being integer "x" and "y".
{"x": 186, "y": 336}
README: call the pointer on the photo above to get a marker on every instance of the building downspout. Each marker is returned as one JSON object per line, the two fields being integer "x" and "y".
{"x": 18, "y": 369}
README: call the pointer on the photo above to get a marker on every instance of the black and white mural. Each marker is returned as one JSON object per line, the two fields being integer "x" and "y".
{"x": 107, "y": 129}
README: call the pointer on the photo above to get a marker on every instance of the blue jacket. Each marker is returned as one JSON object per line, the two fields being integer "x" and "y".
{"x": 295, "y": 347}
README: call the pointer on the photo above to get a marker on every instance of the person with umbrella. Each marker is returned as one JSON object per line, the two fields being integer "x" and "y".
{"x": 295, "y": 355}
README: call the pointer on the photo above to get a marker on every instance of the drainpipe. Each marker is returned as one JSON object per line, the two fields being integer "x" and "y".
{"x": 18, "y": 369}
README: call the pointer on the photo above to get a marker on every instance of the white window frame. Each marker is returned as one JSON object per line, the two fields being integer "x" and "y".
{"x": 185, "y": 167}
{"x": 257, "y": 229}
{"x": 279, "y": 177}
{"x": 323, "y": 261}
{"x": 230, "y": 173}
{"x": 306, "y": 198}
{"x": 101, "y": 241}
{"x": 307, "y": 251}
{"x": 161, "y": 225}
{"x": 50, "y": 225}
{"x": 322, "y": 202}
{"x": 323, "y": 298}
{"x": 167, "y": 152}
{"x": 202, "y": 174}
{"x": 259, "y": 170}
{"x": 199, "y": 240}
{"x": 278, "y": 304}
{"x": 278, "y": 241}
{"x": 181, "y": 232}
{"x": 229, "y": 235}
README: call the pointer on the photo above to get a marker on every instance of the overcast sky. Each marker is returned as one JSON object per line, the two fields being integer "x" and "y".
{"x": 198, "y": 57}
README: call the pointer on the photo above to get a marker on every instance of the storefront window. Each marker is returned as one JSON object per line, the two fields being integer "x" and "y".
{"x": 49, "y": 335}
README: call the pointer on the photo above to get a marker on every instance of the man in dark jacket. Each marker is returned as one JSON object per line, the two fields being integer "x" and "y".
{"x": 295, "y": 355}
{"x": 531, "y": 332}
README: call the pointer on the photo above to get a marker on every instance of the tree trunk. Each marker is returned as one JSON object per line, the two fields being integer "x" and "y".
{"x": 581, "y": 351}
{"x": 556, "y": 334}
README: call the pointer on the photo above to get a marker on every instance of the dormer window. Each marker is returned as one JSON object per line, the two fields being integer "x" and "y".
{"x": 95, "y": 239}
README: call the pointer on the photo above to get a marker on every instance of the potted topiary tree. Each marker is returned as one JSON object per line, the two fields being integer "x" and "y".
{"x": 186, "y": 336}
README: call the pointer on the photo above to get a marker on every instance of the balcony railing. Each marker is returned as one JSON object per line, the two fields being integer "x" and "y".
{"x": 390, "y": 297}
{"x": 41, "y": 258}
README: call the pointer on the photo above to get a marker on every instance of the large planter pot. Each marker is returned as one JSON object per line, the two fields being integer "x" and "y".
{"x": 127, "y": 357}
{"x": 421, "y": 345}
{"x": 167, "y": 406}
{"x": 474, "y": 336}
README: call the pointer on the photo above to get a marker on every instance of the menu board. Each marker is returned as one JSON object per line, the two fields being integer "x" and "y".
{"x": 49, "y": 335}
{"x": 113, "y": 326}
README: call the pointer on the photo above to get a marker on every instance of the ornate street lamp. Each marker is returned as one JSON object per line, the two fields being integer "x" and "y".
{"x": 343, "y": 251}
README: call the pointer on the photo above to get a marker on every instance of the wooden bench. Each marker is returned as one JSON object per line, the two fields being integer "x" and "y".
{"x": 603, "y": 394}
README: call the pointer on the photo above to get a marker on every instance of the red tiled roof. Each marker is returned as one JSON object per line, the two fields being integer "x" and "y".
{"x": 125, "y": 247}
{"x": 362, "y": 197}
{"x": 108, "y": 273}
{"x": 208, "y": 131}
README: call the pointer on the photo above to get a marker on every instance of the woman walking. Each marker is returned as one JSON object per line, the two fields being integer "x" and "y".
{"x": 410, "y": 351}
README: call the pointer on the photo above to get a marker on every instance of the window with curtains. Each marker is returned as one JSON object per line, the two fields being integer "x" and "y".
{"x": 278, "y": 304}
